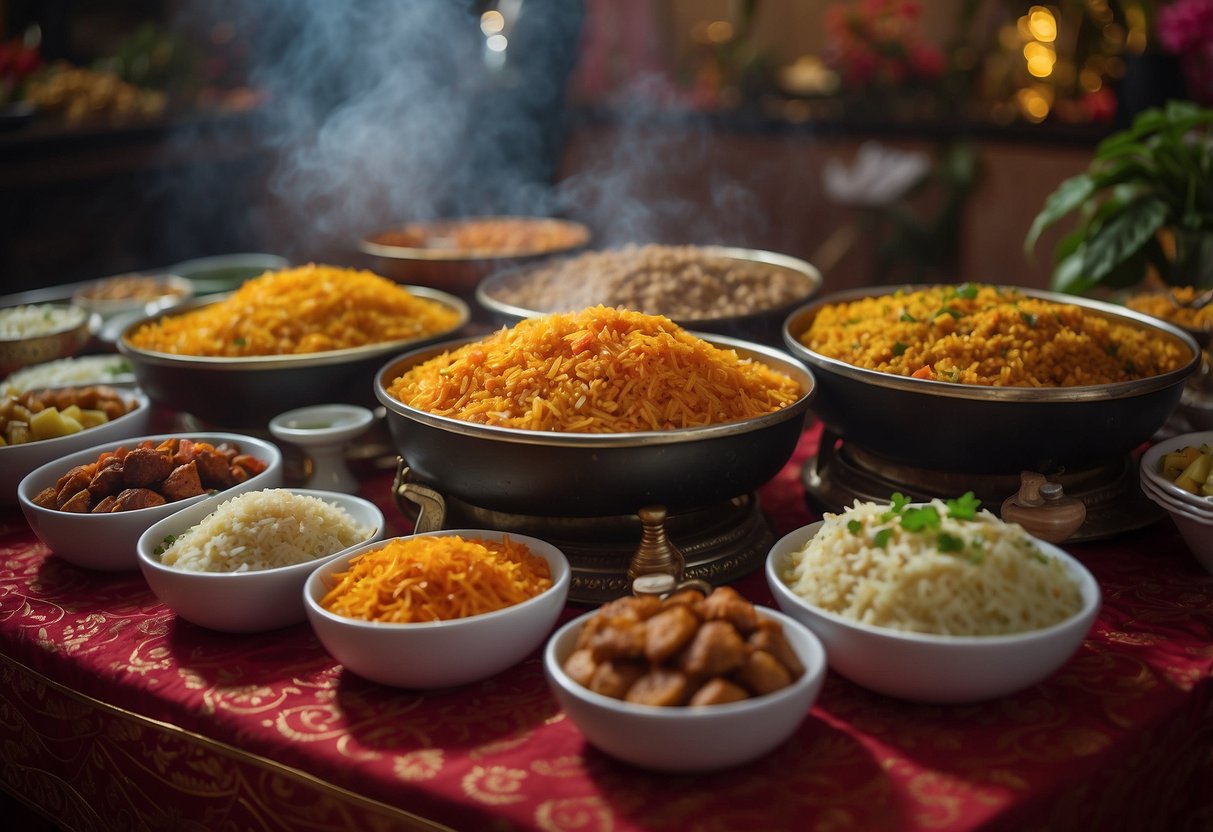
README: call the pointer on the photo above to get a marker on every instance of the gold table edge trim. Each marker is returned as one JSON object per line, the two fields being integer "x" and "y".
{"x": 417, "y": 822}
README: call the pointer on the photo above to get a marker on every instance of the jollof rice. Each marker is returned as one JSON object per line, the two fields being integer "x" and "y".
{"x": 987, "y": 335}
{"x": 303, "y": 310}
{"x": 601, "y": 370}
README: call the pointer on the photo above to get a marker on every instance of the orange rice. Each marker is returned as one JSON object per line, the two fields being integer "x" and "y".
{"x": 987, "y": 335}
{"x": 415, "y": 579}
{"x": 309, "y": 309}
{"x": 600, "y": 370}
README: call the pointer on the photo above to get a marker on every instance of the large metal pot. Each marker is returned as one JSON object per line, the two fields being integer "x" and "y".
{"x": 247, "y": 392}
{"x": 763, "y": 326}
{"x": 985, "y": 430}
{"x": 594, "y": 475}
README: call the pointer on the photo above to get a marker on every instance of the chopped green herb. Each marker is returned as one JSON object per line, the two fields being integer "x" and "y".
{"x": 920, "y": 518}
{"x": 947, "y": 310}
{"x": 967, "y": 291}
{"x": 854, "y": 526}
{"x": 899, "y": 348}
{"x": 964, "y": 507}
{"x": 907, "y": 318}
{"x": 240, "y": 342}
{"x": 976, "y": 556}
{"x": 899, "y": 501}
{"x": 168, "y": 541}
{"x": 1028, "y": 318}
{"x": 950, "y": 543}
{"x": 1112, "y": 349}
{"x": 881, "y": 540}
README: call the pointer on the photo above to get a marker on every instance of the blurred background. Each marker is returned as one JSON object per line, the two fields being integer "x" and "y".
{"x": 880, "y": 140}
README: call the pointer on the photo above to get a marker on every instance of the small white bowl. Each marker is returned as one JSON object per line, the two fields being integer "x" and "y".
{"x": 323, "y": 431}
{"x": 439, "y": 654}
{"x": 933, "y": 668}
{"x": 1170, "y": 503}
{"x": 688, "y": 739}
{"x": 1195, "y": 528}
{"x": 241, "y": 602}
{"x": 1151, "y": 459}
{"x": 108, "y": 542}
{"x": 18, "y": 460}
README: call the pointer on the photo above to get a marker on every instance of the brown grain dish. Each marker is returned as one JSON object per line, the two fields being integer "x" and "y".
{"x": 685, "y": 283}
{"x": 686, "y": 649}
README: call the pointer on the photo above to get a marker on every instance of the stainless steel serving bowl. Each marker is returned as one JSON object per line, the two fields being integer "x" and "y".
{"x": 247, "y": 392}
{"x": 406, "y": 253}
{"x": 984, "y": 430}
{"x": 594, "y": 475}
{"x": 764, "y": 326}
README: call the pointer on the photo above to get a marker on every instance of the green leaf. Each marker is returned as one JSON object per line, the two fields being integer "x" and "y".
{"x": 1122, "y": 236}
{"x": 881, "y": 540}
{"x": 950, "y": 543}
{"x": 1068, "y": 274}
{"x": 963, "y": 507}
{"x": 1069, "y": 195}
{"x": 920, "y": 518}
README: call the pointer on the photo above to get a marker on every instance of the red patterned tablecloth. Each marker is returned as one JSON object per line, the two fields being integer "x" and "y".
{"x": 114, "y": 714}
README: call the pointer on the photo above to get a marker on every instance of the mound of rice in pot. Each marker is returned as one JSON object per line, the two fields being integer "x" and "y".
{"x": 600, "y": 370}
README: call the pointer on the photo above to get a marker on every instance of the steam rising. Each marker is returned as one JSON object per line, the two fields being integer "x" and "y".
{"x": 384, "y": 111}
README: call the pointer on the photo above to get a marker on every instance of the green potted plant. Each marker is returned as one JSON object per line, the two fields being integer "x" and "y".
{"x": 1144, "y": 204}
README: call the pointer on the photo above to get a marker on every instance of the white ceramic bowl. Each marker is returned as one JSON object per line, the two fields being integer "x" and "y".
{"x": 932, "y": 668}
{"x": 1153, "y": 456}
{"x": 685, "y": 739}
{"x": 1195, "y": 527}
{"x": 439, "y": 654}
{"x": 108, "y": 542}
{"x": 18, "y": 460}
{"x": 155, "y": 291}
{"x": 240, "y": 602}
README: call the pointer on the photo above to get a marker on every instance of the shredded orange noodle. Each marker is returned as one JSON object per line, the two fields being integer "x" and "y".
{"x": 416, "y": 579}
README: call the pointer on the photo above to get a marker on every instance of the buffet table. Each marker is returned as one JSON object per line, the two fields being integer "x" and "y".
{"x": 115, "y": 715}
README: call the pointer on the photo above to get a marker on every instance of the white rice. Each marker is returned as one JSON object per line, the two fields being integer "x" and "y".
{"x": 17, "y": 322}
{"x": 262, "y": 530}
{"x": 67, "y": 372}
{"x": 993, "y": 579}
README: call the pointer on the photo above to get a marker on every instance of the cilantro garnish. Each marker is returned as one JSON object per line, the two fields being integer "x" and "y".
{"x": 899, "y": 348}
{"x": 907, "y": 318}
{"x": 948, "y": 310}
{"x": 881, "y": 540}
{"x": 967, "y": 291}
{"x": 920, "y": 518}
{"x": 854, "y": 526}
{"x": 1028, "y": 318}
{"x": 950, "y": 542}
{"x": 239, "y": 342}
{"x": 964, "y": 507}
{"x": 168, "y": 541}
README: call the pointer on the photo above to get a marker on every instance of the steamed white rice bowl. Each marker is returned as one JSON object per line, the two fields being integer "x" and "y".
{"x": 263, "y": 530}
{"x": 973, "y": 575}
